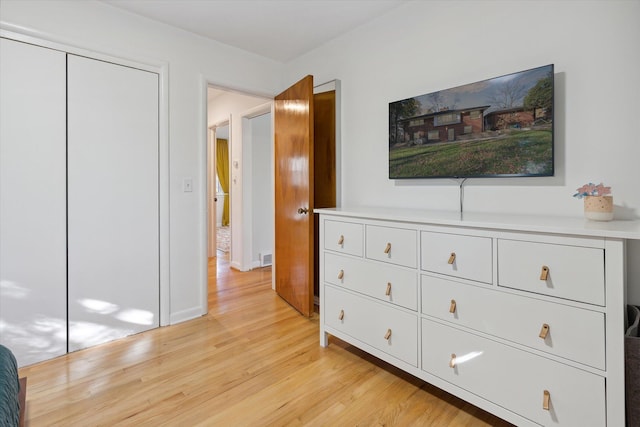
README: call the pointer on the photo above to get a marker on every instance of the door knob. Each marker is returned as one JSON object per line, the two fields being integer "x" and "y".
{"x": 215, "y": 199}
{"x": 303, "y": 211}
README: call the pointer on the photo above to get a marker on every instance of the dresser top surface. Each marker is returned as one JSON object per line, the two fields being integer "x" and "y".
{"x": 619, "y": 229}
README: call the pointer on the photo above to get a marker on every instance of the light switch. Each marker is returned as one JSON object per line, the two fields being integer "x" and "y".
{"x": 187, "y": 185}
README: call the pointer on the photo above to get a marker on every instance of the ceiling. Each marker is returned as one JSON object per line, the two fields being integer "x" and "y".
{"x": 278, "y": 29}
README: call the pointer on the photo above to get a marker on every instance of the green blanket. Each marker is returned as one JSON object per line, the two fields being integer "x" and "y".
{"x": 9, "y": 388}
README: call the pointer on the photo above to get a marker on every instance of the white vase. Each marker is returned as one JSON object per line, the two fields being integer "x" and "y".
{"x": 598, "y": 208}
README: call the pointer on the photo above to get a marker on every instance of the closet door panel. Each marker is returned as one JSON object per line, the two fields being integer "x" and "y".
{"x": 33, "y": 289}
{"x": 113, "y": 201}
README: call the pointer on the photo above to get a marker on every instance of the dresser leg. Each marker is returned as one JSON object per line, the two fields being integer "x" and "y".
{"x": 324, "y": 338}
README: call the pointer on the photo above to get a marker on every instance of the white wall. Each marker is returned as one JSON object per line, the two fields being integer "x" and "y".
{"x": 234, "y": 104}
{"x": 192, "y": 60}
{"x": 423, "y": 47}
{"x": 261, "y": 187}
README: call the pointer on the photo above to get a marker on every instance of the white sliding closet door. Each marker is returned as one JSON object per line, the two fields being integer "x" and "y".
{"x": 112, "y": 201}
{"x": 33, "y": 243}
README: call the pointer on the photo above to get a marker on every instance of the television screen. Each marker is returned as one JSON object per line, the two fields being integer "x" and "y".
{"x": 500, "y": 127}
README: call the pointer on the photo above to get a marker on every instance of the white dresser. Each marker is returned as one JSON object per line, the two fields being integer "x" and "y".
{"x": 521, "y": 316}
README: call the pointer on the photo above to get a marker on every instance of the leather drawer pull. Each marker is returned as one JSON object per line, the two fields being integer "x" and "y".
{"x": 452, "y": 258}
{"x": 546, "y": 399}
{"x": 341, "y": 240}
{"x": 544, "y": 274}
{"x": 544, "y": 331}
{"x": 452, "y": 361}
{"x": 341, "y": 315}
{"x": 452, "y": 307}
{"x": 341, "y": 274}
{"x": 388, "y": 291}
{"x": 388, "y": 248}
{"x": 387, "y": 335}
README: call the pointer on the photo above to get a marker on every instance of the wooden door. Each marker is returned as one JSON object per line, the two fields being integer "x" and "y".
{"x": 324, "y": 177}
{"x": 293, "y": 170}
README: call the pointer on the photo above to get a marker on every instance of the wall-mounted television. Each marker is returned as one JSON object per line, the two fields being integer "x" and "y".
{"x": 499, "y": 127}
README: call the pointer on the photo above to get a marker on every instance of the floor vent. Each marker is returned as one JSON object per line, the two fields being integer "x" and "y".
{"x": 265, "y": 259}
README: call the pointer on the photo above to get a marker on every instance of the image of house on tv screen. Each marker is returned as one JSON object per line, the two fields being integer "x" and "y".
{"x": 497, "y": 127}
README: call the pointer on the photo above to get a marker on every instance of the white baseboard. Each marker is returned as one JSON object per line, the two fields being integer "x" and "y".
{"x": 184, "y": 315}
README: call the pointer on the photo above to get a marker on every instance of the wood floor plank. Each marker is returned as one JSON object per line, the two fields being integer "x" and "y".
{"x": 251, "y": 361}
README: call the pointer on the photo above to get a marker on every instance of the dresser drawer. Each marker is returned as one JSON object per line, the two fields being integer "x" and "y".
{"x": 382, "y": 281}
{"x": 467, "y": 257}
{"x": 392, "y": 245}
{"x": 370, "y": 322}
{"x": 343, "y": 237}
{"x": 514, "y": 379}
{"x": 573, "y": 333}
{"x": 573, "y": 272}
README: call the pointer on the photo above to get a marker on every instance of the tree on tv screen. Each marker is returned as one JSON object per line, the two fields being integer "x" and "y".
{"x": 401, "y": 110}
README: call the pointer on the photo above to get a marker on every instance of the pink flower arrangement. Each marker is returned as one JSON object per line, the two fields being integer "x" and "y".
{"x": 591, "y": 189}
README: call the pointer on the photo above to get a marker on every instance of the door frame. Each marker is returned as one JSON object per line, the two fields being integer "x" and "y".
{"x": 211, "y": 177}
{"x": 162, "y": 69}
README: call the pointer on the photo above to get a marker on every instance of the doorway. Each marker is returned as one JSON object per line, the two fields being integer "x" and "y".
{"x": 218, "y": 194}
{"x": 247, "y": 192}
{"x": 227, "y": 113}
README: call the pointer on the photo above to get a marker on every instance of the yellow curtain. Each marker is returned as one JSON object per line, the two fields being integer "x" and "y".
{"x": 222, "y": 169}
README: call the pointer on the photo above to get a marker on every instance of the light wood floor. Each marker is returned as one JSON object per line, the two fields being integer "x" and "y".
{"x": 252, "y": 361}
